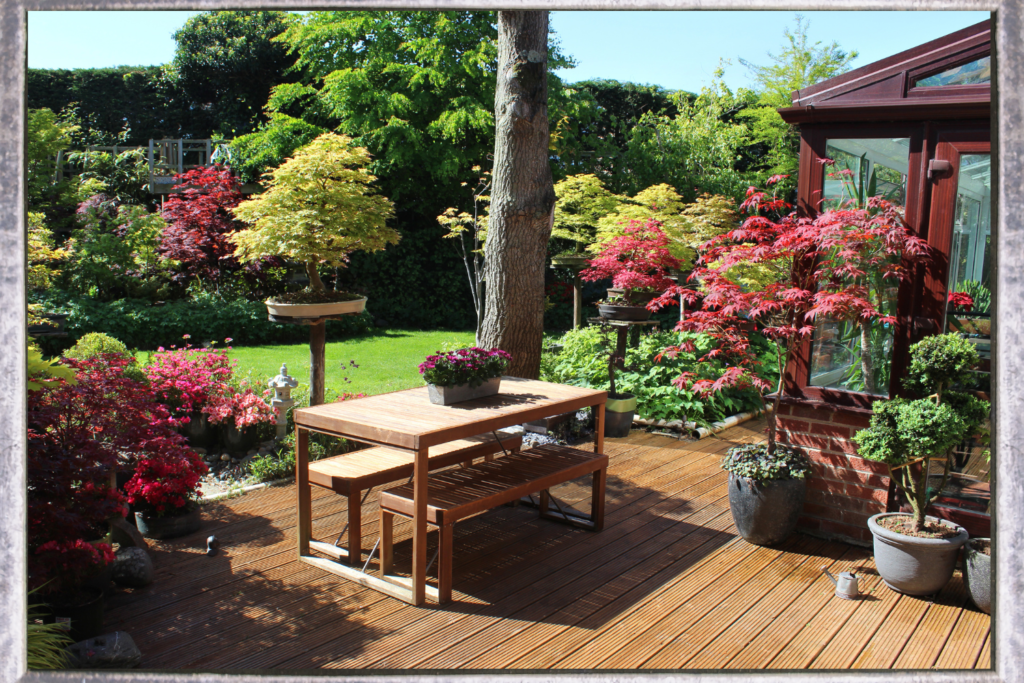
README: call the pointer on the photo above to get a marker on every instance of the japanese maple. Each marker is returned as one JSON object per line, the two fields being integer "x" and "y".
{"x": 637, "y": 261}
{"x": 837, "y": 265}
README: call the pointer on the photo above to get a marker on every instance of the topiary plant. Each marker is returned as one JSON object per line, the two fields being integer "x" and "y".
{"x": 908, "y": 435}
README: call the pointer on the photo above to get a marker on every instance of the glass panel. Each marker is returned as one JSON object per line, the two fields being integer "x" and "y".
{"x": 978, "y": 71}
{"x": 844, "y": 355}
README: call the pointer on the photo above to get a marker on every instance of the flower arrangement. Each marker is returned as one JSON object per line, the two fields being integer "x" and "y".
{"x": 472, "y": 366}
{"x": 638, "y": 261}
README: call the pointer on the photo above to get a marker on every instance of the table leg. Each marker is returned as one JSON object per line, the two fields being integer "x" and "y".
{"x": 419, "y": 529}
{"x": 599, "y": 428}
{"x": 304, "y": 527}
{"x": 355, "y": 528}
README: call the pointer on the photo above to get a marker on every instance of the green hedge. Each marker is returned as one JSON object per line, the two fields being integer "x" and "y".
{"x": 140, "y": 324}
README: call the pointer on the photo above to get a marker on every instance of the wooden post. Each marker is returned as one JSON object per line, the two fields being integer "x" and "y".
{"x": 317, "y": 341}
{"x": 419, "y": 528}
{"x": 304, "y": 527}
{"x": 577, "y": 299}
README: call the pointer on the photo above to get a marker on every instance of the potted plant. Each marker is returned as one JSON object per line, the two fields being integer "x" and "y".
{"x": 61, "y": 571}
{"x": 464, "y": 374}
{"x": 318, "y": 208}
{"x": 638, "y": 264}
{"x": 776, "y": 276}
{"x": 766, "y": 491}
{"x": 978, "y": 572}
{"x": 915, "y": 553}
{"x": 165, "y": 490}
{"x": 241, "y": 412}
{"x": 582, "y": 200}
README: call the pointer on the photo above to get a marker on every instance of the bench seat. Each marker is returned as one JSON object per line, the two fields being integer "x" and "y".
{"x": 350, "y": 474}
{"x": 459, "y": 493}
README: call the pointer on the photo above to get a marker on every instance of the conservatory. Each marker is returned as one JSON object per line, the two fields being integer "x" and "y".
{"x": 915, "y": 129}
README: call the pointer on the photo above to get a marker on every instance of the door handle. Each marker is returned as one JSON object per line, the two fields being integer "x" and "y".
{"x": 939, "y": 166}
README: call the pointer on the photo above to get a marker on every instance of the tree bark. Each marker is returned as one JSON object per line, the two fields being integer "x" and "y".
{"x": 522, "y": 194}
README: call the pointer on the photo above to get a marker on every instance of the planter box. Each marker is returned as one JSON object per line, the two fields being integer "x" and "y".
{"x": 457, "y": 393}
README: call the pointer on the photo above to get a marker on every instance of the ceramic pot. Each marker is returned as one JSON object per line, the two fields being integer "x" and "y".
{"x": 632, "y": 313}
{"x": 240, "y": 440}
{"x": 619, "y": 410}
{"x": 911, "y": 565}
{"x": 317, "y": 310}
{"x": 766, "y": 512}
{"x": 456, "y": 393}
{"x": 169, "y": 526}
{"x": 199, "y": 432}
{"x": 978, "y": 573}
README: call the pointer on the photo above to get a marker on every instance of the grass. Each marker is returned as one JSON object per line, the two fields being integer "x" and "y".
{"x": 388, "y": 360}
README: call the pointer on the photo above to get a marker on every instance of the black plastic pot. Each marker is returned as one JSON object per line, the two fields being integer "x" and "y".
{"x": 618, "y": 415}
{"x": 169, "y": 526}
{"x": 978, "y": 573}
{"x": 911, "y": 565}
{"x": 199, "y": 432}
{"x": 633, "y": 313}
{"x": 240, "y": 440}
{"x": 766, "y": 512}
{"x": 83, "y": 614}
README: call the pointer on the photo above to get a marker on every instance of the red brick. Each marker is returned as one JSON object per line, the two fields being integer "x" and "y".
{"x": 865, "y": 493}
{"x": 863, "y": 478}
{"x": 853, "y": 419}
{"x": 784, "y": 409}
{"x": 829, "y": 429}
{"x": 812, "y": 413}
{"x": 827, "y": 458}
{"x": 859, "y": 463}
{"x": 819, "y": 510}
{"x": 843, "y": 446}
{"x": 809, "y": 523}
{"x": 842, "y": 529}
{"x": 794, "y": 425}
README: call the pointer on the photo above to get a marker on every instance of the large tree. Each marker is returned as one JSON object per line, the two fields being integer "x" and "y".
{"x": 523, "y": 195}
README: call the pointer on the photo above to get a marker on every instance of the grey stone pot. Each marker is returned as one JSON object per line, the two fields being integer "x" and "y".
{"x": 766, "y": 512}
{"x": 445, "y": 396}
{"x": 169, "y": 526}
{"x": 914, "y": 566}
{"x": 978, "y": 573}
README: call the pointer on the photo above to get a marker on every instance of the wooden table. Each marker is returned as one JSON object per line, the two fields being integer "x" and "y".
{"x": 407, "y": 420}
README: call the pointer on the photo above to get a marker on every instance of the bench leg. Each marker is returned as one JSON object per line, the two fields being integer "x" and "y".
{"x": 387, "y": 553}
{"x": 545, "y": 501}
{"x": 355, "y": 528}
{"x": 597, "y": 499}
{"x": 444, "y": 563}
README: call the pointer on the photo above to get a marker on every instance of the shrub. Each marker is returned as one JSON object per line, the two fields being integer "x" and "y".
{"x": 270, "y": 467}
{"x": 94, "y": 344}
{"x": 189, "y": 380}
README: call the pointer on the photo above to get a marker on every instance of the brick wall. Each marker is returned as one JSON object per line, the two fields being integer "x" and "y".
{"x": 844, "y": 489}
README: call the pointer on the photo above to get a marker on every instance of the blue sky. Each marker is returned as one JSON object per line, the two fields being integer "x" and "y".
{"x": 677, "y": 50}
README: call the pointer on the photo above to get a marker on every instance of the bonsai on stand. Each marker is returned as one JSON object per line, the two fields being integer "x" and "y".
{"x": 914, "y": 553}
{"x": 319, "y": 207}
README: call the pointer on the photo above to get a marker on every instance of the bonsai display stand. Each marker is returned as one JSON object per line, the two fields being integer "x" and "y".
{"x": 317, "y": 343}
{"x": 623, "y": 328}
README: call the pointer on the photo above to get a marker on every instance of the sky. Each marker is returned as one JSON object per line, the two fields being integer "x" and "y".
{"x": 676, "y": 50}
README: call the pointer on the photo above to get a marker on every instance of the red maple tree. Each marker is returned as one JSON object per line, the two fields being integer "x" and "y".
{"x": 840, "y": 265}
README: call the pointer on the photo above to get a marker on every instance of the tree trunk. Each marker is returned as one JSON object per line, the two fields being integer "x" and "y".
{"x": 522, "y": 194}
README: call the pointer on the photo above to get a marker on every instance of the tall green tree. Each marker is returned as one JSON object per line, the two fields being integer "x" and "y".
{"x": 226, "y": 64}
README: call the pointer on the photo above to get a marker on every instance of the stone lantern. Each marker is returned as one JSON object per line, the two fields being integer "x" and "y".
{"x": 282, "y": 401}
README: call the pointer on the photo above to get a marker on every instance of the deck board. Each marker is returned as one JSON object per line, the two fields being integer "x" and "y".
{"x": 666, "y": 585}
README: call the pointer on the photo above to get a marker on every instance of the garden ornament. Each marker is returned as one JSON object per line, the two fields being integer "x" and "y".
{"x": 282, "y": 401}
{"x": 211, "y": 545}
{"x": 845, "y": 583}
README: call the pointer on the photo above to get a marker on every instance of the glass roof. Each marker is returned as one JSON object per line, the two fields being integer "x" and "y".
{"x": 978, "y": 71}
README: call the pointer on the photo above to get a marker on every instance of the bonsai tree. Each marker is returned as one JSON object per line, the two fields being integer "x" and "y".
{"x": 582, "y": 201}
{"x": 318, "y": 208}
{"x": 638, "y": 261}
{"x": 909, "y": 435}
{"x": 810, "y": 268}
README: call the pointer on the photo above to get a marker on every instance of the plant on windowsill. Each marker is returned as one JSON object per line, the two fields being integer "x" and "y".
{"x": 777, "y": 277}
{"x": 464, "y": 374}
{"x": 319, "y": 208}
{"x": 916, "y": 553}
{"x": 638, "y": 264}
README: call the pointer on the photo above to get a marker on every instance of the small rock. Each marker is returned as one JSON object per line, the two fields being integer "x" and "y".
{"x": 125, "y": 534}
{"x": 263, "y": 451}
{"x": 132, "y": 567}
{"x": 268, "y": 444}
{"x": 225, "y": 457}
{"x": 244, "y": 462}
{"x": 200, "y": 451}
{"x": 252, "y": 452}
{"x": 111, "y": 651}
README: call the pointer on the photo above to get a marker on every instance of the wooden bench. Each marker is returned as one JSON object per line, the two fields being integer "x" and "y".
{"x": 353, "y": 473}
{"x": 459, "y": 493}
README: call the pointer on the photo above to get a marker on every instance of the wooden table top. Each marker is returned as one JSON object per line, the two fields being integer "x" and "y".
{"x": 407, "y": 419}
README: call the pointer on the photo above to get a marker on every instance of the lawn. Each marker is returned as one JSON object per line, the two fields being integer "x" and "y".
{"x": 387, "y": 360}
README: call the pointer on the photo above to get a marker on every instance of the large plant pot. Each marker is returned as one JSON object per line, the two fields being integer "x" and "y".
{"x": 240, "y": 440}
{"x": 619, "y": 410}
{"x": 199, "y": 432}
{"x": 978, "y": 573}
{"x": 316, "y": 310}
{"x": 82, "y": 616}
{"x": 766, "y": 512}
{"x": 571, "y": 261}
{"x": 632, "y": 313}
{"x": 169, "y": 526}
{"x": 911, "y": 565}
{"x": 634, "y": 298}
{"x": 445, "y": 396}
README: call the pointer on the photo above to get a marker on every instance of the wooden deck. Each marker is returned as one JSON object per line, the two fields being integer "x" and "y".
{"x": 667, "y": 585}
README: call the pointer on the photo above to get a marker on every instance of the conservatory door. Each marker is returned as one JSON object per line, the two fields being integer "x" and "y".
{"x": 960, "y": 230}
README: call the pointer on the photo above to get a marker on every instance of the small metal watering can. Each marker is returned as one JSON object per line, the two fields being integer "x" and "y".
{"x": 845, "y": 583}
